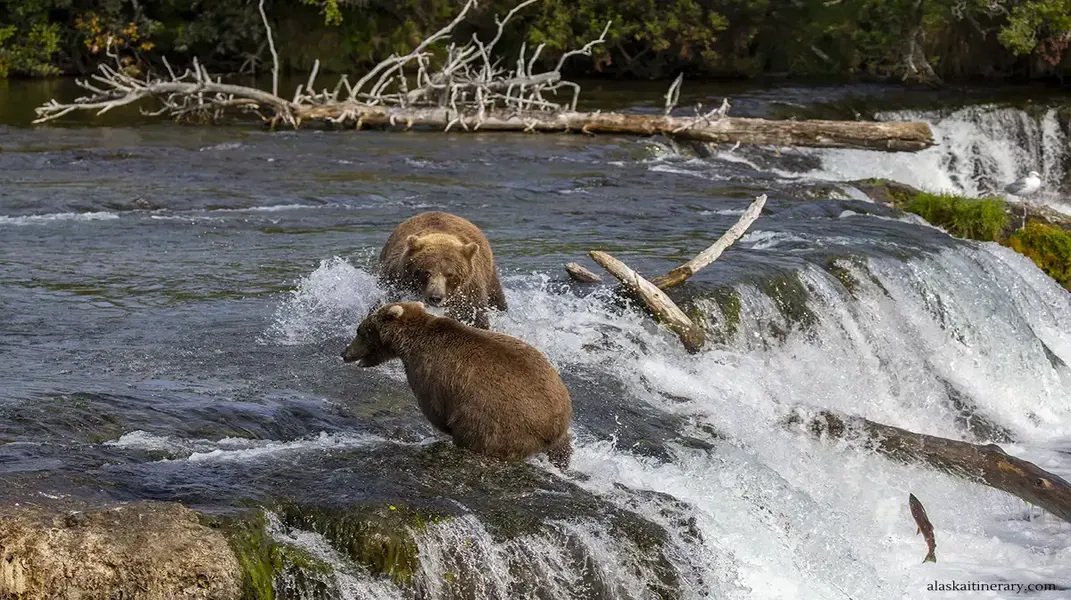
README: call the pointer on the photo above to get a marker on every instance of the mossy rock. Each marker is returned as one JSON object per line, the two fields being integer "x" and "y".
{"x": 972, "y": 218}
{"x": 270, "y": 568}
{"x": 1048, "y": 246}
{"x": 379, "y": 537}
{"x": 884, "y": 191}
{"x": 728, "y": 300}
{"x": 790, "y": 297}
{"x": 838, "y": 269}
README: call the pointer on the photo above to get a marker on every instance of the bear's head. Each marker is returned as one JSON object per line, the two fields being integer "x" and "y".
{"x": 378, "y": 339}
{"x": 437, "y": 264}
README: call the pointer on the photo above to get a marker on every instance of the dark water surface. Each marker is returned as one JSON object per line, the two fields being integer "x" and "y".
{"x": 174, "y": 300}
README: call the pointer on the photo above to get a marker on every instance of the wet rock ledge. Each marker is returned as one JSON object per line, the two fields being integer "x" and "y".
{"x": 143, "y": 550}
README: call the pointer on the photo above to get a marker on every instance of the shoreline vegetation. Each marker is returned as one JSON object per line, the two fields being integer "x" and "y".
{"x": 1045, "y": 239}
{"x": 925, "y": 41}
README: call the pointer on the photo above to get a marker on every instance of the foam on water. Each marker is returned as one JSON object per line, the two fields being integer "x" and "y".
{"x": 49, "y": 218}
{"x": 237, "y": 449}
{"x": 330, "y": 302}
{"x": 970, "y": 343}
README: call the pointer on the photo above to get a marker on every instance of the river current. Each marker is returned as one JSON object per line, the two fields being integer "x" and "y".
{"x": 175, "y": 298}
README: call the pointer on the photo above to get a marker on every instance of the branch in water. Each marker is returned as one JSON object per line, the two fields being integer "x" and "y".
{"x": 691, "y": 335}
{"x": 682, "y": 273}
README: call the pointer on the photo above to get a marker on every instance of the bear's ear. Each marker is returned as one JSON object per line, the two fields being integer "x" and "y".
{"x": 412, "y": 243}
{"x": 394, "y": 312}
{"x": 471, "y": 250}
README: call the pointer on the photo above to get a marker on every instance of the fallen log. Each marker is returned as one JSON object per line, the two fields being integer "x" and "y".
{"x": 863, "y": 135}
{"x": 470, "y": 91}
{"x": 691, "y": 335}
{"x": 985, "y": 464}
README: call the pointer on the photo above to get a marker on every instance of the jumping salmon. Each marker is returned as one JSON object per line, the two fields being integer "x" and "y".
{"x": 925, "y": 527}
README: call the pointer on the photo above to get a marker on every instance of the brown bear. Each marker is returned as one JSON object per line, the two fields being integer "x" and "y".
{"x": 448, "y": 261}
{"x": 492, "y": 393}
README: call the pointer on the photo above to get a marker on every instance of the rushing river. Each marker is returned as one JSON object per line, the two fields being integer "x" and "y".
{"x": 174, "y": 300}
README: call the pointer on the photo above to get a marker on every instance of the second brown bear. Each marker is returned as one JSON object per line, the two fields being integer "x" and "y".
{"x": 492, "y": 393}
{"x": 448, "y": 262}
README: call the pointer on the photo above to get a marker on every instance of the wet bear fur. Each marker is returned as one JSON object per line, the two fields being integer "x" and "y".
{"x": 492, "y": 393}
{"x": 447, "y": 261}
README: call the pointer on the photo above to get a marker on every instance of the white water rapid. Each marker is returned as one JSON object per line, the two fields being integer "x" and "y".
{"x": 781, "y": 515}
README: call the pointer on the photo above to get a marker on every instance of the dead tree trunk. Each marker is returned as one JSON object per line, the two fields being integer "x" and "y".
{"x": 470, "y": 91}
{"x": 987, "y": 465}
{"x": 863, "y": 135}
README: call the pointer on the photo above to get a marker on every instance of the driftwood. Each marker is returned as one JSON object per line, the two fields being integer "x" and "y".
{"x": 864, "y": 135}
{"x": 470, "y": 91}
{"x": 680, "y": 274}
{"x": 650, "y": 293}
{"x": 691, "y": 335}
{"x": 579, "y": 273}
{"x": 984, "y": 464}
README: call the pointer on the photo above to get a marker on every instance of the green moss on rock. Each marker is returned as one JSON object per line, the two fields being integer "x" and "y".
{"x": 790, "y": 297}
{"x": 728, "y": 300}
{"x": 264, "y": 560}
{"x": 376, "y": 536}
{"x": 844, "y": 275}
{"x": 1048, "y": 246}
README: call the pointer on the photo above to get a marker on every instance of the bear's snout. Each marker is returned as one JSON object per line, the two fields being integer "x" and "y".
{"x": 435, "y": 293}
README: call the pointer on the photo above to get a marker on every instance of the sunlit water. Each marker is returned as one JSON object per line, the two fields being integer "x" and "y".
{"x": 175, "y": 300}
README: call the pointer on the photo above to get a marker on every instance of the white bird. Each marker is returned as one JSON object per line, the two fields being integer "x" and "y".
{"x": 1024, "y": 186}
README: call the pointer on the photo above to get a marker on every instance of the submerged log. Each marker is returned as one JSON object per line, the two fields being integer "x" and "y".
{"x": 864, "y": 135}
{"x": 988, "y": 465}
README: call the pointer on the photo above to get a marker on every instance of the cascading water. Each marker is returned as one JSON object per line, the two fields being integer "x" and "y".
{"x": 977, "y": 151}
{"x": 183, "y": 346}
{"x": 779, "y": 516}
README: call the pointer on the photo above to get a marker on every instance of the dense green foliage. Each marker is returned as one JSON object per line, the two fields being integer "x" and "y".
{"x": 1049, "y": 247}
{"x": 976, "y": 219}
{"x": 919, "y": 39}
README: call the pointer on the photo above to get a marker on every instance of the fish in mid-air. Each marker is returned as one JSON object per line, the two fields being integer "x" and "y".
{"x": 924, "y": 525}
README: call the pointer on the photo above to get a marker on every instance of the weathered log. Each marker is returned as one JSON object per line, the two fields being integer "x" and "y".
{"x": 988, "y": 465}
{"x": 691, "y": 335}
{"x": 471, "y": 90}
{"x": 906, "y": 136}
{"x": 579, "y": 273}
{"x": 680, "y": 274}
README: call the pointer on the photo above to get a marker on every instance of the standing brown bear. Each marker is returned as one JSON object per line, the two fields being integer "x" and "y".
{"x": 492, "y": 393}
{"x": 448, "y": 261}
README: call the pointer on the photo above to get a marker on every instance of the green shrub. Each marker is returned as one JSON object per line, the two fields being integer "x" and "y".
{"x": 976, "y": 219}
{"x": 1048, "y": 246}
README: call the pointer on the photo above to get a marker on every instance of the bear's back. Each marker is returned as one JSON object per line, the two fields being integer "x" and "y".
{"x": 495, "y": 393}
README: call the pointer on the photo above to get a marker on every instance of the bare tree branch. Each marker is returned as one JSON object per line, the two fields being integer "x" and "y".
{"x": 274, "y": 55}
{"x": 680, "y": 274}
{"x": 472, "y": 90}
